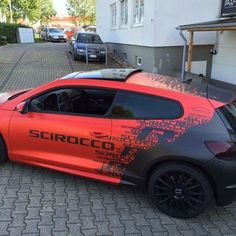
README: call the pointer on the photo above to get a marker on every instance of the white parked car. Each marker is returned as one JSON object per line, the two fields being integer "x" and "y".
{"x": 53, "y": 35}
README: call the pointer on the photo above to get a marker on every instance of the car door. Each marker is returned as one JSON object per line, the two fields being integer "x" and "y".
{"x": 67, "y": 141}
{"x": 140, "y": 123}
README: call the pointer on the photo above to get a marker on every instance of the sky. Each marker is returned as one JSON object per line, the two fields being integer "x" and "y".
{"x": 60, "y": 7}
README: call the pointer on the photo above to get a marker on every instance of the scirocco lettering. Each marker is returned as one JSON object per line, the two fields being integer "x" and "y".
{"x": 72, "y": 140}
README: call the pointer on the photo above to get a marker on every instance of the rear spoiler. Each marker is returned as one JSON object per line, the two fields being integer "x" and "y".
{"x": 219, "y": 97}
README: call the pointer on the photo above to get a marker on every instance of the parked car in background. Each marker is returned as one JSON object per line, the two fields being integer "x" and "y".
{"x": 53, "y": 35}
{"x": 90, "y": 43}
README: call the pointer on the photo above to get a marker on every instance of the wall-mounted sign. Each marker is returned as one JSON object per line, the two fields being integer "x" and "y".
{"x": 228, "y": 8}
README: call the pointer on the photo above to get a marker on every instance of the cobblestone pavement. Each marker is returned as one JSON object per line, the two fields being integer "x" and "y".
{"x": 35, "y": 201}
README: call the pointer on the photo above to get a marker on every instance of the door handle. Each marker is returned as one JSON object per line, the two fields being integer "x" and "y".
{"x": 98, "y": 134}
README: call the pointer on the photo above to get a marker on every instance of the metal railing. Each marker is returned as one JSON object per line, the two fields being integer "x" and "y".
{"x": 97, "y": 48}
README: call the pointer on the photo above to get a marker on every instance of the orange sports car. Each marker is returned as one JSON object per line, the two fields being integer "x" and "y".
{"x": 126, "y": 126}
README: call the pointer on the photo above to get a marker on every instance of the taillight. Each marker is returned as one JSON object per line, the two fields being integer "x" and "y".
{"x": 222, "y": 150}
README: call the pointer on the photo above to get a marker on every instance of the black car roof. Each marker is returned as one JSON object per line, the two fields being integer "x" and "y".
{"x": 195, "y": 86}
{"x": 89, "y": 33}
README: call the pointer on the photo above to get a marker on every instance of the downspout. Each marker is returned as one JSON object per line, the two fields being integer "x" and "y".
{"x": 184, "y": 54}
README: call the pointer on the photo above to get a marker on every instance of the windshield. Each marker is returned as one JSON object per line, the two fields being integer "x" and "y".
{"x": 52, "y": 30}
{"x": 89, "y": 38}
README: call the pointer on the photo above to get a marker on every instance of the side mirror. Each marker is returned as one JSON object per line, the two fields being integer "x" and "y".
{"x": 23, "y": 107}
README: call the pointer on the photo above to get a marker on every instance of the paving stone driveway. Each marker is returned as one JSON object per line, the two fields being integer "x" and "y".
{"x": 36, "y": 201}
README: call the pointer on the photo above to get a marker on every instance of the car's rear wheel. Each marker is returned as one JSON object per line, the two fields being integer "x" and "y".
{"x": 180, "y": 190}
{"x": 3, "y": 151}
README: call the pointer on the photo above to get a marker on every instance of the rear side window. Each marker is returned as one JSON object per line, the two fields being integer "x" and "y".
{"x": 142, "y": 106}
{"x": 229, "y": 112}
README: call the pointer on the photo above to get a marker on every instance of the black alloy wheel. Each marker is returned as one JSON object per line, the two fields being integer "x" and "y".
{"x": 180, "y": 190}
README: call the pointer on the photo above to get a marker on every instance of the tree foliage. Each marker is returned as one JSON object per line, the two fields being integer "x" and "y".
{"x": 33, "y": 10}
{"x": 47, "y": 10}
{"x": 85, "y": 9}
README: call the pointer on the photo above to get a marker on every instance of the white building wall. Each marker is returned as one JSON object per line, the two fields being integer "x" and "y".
{"x": 138, "y": 35}
{"x": 161, "y": 19}
{"x": 224, "y": 62}
{"x": 158, "y": 30}
{"x": 172, "y": 13}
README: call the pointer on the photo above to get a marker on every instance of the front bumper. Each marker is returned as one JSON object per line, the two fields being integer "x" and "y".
{"x": 92, "y": 57}
{"x": 59, "y": 39}
{"x": 223, "y": 176}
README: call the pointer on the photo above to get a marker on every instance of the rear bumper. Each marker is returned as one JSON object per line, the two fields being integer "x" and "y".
{"x": 223, "y": 174}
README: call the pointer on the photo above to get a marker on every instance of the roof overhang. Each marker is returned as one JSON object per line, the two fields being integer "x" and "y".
{"x": 209, "y": 26}
{"x": 219, "y": 25}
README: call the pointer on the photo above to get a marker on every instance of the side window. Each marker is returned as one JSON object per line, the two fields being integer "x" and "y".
{"x": 141, "y": 106}
{"x": 83, "y": 101}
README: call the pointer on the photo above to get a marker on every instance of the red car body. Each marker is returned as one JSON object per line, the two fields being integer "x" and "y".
{"x": 112, "y": 149}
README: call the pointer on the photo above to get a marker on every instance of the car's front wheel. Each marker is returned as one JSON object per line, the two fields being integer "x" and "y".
{"x": 75, "y": 57}
{"x": 180, "y": 190}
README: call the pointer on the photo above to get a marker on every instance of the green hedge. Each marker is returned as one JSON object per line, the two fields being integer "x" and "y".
{"x": 9, "y": 30}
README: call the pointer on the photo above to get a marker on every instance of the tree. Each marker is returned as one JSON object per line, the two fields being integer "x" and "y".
{"x": 47, "y": 10}
{"x": 85, "y": 9}
{"x": 33, "y": 10}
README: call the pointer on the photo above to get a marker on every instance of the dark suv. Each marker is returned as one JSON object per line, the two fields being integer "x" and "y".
{"x": 87, "y": 43}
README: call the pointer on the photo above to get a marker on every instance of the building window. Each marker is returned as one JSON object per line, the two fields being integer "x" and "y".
{"x": 138, "y": 11}
{"x": 124, "y": 12}
{"x": 113, "y": 15}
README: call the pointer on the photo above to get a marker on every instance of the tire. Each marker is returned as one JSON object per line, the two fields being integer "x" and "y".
{"x": 75, "y": 57}
{"x": 180, "y": 190}
{"x": 3, "y": 151}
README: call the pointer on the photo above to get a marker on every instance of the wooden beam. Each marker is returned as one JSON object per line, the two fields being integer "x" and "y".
{"x": 226, "y": 28}
{"x": 190, "y": 51}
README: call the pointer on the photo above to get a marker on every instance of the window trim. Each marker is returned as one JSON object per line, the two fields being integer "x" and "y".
{"x": 108, "y": 115}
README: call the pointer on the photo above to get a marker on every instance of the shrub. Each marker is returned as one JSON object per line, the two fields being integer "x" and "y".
{"x": 9, "y": 30}
{"x": 3, "y": 41}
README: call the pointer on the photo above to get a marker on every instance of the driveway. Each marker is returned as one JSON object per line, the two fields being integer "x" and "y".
{"x": 35, "y": 201}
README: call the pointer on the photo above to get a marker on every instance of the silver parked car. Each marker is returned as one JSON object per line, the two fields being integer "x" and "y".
{"x": 53, "y": 35}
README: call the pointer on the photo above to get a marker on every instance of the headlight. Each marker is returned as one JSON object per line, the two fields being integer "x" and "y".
{"x": 103, "y": 52}
{"x": 81, "y": 50}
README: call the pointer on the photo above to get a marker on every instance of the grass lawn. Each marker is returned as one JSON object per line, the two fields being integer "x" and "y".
{"x": 38, "y": 39}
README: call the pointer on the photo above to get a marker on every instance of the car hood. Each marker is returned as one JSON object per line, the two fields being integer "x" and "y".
{"x": 4, "y": 97}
